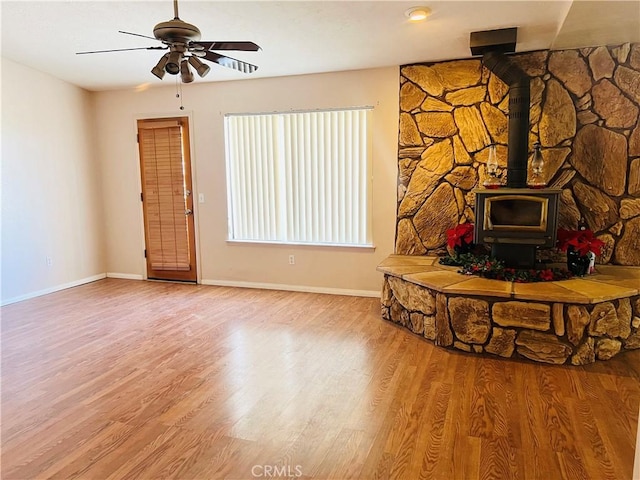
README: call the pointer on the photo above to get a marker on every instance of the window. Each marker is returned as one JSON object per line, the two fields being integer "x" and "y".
{"x": 300, "y": 177}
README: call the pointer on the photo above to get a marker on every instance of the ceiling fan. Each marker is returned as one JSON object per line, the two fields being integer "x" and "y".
{"x": 185, "y": 48}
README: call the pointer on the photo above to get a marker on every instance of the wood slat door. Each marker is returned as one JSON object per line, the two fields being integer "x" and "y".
{"x": 165, "y": 165}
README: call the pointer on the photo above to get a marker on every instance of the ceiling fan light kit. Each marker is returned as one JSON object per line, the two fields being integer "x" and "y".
{"x": 200, "y": 67}
{"x": 173, "y": 63}
{"x": 182, "y": 41}
{"x": 417, "y": 14}
{"x": 158, "y": 70}
{"x": 185, "y": 72}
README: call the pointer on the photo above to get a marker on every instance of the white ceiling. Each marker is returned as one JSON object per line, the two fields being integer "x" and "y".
{"x": 296, "y": 37}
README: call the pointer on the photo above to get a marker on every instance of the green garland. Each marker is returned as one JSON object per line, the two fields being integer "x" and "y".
{"x": 488, "y": 267}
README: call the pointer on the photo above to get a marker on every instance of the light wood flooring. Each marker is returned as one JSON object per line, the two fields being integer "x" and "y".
{"x": 127, "y": 379}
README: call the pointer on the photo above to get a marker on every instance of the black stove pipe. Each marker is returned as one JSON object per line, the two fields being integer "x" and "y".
{"x": 519, "y": 101}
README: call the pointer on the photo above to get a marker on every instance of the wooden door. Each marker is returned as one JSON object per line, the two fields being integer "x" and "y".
{"x": 167, "y": 199}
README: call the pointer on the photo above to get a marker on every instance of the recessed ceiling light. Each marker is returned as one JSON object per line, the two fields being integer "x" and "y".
{"x": 418, "y": 14}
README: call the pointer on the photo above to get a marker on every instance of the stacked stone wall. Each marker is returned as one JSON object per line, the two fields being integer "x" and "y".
{"x": 548, "y": 332}
{"x": 585, "y": 105}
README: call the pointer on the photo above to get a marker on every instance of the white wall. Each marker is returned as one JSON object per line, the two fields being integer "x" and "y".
{"x": 51, "y": 195}
{"x": 321, "y": 268}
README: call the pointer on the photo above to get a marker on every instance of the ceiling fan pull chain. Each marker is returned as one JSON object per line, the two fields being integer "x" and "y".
{"x": 179, "y": 92}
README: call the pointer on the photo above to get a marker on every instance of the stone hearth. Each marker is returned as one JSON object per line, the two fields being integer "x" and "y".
{"x": 575, "y": 321}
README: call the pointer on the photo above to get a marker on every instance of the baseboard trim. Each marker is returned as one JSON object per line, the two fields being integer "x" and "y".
{"x": 217, "y": 283}
{"x": 57, "y": 288}
{"x": 293, "y": 288}
{"x": 125, "y": 276}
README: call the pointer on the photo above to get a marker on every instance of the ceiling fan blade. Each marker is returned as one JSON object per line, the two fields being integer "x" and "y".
{"x": 244, "y": 46}
{"x": 137, "y": 35}
{"x": 122, "y": 50}
{"x": 230, "y": 62}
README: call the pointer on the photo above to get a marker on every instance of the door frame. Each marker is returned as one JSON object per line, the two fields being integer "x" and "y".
{"x": 188, "y": 114}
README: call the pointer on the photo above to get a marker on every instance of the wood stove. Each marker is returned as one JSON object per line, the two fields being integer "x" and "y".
{"x": 516, "y": 221}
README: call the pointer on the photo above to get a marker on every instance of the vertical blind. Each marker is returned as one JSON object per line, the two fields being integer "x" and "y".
{"x": 168, "y": 239}
{"x": 299, "y": 177}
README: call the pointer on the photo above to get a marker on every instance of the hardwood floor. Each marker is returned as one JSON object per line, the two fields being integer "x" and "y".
{"x": 127, "y": 379}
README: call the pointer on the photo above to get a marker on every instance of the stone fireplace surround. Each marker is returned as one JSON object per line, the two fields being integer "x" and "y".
{"x": 584, "y": 111}
{"x": 571, "y": 321}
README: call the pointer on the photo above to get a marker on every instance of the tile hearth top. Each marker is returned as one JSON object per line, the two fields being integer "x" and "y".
{"x": 610, "y": 282}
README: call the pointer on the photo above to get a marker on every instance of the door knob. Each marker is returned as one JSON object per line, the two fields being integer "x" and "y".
{"x": 188, "y": 211}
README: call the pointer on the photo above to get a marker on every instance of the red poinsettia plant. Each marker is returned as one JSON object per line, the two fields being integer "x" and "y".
{"x": 582, "y": 241}
{"x": 460, "y": 236}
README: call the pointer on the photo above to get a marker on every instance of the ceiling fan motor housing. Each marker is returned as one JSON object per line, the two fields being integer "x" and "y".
{"x": 176, "y": 31}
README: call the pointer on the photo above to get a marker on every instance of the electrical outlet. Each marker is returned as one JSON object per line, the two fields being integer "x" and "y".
{"x": 49, "y": 261}
{"x": 292, "y": 260}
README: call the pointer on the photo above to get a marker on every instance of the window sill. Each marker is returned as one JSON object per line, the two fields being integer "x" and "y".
{"x": 301, "y": 244}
